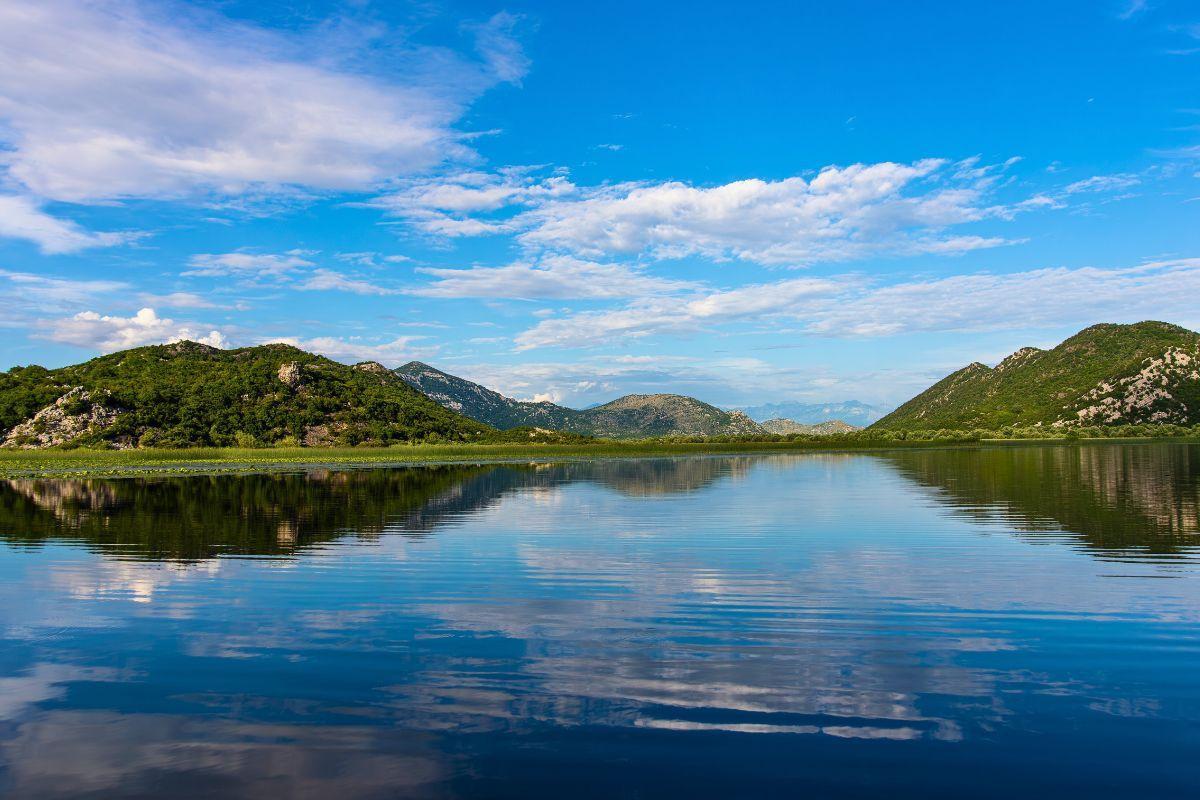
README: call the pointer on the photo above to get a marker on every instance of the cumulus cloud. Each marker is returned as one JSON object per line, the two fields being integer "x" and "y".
{"x": 113, "y": 100}
{"x": 553, "y": 277}
{"x": 842, "y": 213}
{"x": 23, "y": 218}
{"x": 839, "y": 214}
{"x": 108, "y": 333}
{"x": 852, "y": 306}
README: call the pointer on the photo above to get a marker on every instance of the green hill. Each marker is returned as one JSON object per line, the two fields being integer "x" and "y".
{"x": 1104, "y": 375}
{"x": 663, "y": 415}
{"x": 189, "y": 394}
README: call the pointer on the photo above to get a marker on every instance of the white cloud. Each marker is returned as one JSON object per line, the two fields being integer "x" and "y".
{"x": 327, "y": 279}
{"x": 40, "y": 292}
{"x": 23, "y": 218}
{"x": 1057, "y": 297}
{"x": 179, "y": 300}
{"x": 253, "y": 265}
{"x": 370, "y": 259}
{"x": 295, "y": 268}
{"x": 711, "y": 377}
{"x": 106, "y": 334}
{"x": 1103, "y": 183}
{"x": 389, "y": 353}
{"x": 471, "y": 203}
{"x": 679, "y": 314}
{"x": 496, "y": 42}
{"x": 554, "y": 277}
{"x": 850, "y": 306}
{"x": 1132, "y": 9}
{"x": 127, "y": 99}
{"x": 840, "y": 214}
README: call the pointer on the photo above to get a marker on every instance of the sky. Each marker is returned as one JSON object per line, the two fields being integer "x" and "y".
{"x": 748, "y": 202}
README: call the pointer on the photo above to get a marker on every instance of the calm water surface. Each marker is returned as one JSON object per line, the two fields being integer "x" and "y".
{"x": 927, "y": 623}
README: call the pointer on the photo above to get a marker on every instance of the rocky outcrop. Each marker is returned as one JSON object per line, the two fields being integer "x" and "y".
{"x": 373, "y": 368}
{"x": 291, "y": 374}
{"x": 1018, "y": 358}
{"x": 76, "y": 414}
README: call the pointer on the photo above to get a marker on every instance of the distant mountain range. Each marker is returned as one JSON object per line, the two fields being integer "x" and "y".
{"x": 788, "y": 427}
{"x": 189, "y": 394}
{"x": 851, "y": 411}
{"x": 632, "y": 416}
{"x": 1148, "y": 372}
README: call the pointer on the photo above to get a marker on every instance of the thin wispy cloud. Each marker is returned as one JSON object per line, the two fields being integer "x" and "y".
{"x": 44, "y": 292}
{"x": 1133, "y": 8}
{"x": 852, "y": 306}
{"x": 295, "y": 269}
{"x": 551, "y": 278}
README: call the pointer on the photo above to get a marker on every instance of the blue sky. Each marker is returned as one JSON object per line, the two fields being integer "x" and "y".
{"x": 750, "y": 202}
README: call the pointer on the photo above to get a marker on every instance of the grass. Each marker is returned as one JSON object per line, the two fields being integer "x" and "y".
{"x": 115, "y": 463}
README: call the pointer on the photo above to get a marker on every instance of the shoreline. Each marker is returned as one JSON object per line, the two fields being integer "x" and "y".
{"x": 81, "y": 463}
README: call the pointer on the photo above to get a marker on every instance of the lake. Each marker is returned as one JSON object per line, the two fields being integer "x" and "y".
{"x": 933, "y": 623}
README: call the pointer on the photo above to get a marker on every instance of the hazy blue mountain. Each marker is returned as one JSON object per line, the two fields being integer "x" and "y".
{"x": 850, "y": 411}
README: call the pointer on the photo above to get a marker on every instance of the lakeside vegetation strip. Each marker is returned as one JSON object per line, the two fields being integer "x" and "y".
{"x": 77, "y": 463}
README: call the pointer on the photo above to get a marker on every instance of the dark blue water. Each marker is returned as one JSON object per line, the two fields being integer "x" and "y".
{"x": 1005, "y": 622}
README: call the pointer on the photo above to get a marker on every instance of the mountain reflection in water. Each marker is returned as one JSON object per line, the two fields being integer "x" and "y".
{"x": 908, "y": 622}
